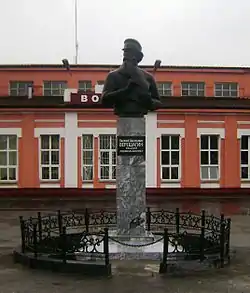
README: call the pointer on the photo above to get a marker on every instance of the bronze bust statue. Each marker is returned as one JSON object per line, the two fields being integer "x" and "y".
{"x": 130, "y": 90}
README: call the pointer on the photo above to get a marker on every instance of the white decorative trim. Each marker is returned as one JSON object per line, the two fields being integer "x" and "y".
{"x": 10, "y": 121}
{"x": 210, "y": 121}
{"x": 113, "y": 186}
{"x": 67, "y": 94}
{"x": 245, "y": 185}
{"x": 171, "y": 121}
{"x": 11, "y": 131}
{"x": 171, "y": 185}
{"x": 8, "y": 186}
{"x": 96, "y": 131}
{"x": 49, "y": 120}
{"x": 210, "y": 185}
{"x": 87, "y": 185}
{"x": 211, "y": 131}
{"x": 50, "y": 131}
{"x": 71, "y": 150}
{"x": 50, "y": 185}
{"x": 241, "y": 132}
{"x": 170, "y": 131}
{"x": 151, "y": 160}
{"x": 243, "y": 122}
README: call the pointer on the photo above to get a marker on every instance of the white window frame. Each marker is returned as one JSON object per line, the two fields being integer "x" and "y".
{"x": 189, "y": 83}
{"x": 111, "y": 151}
{"x": 248, "y": 154}
{"x": 93, "y": 158}
{"x": 162, "y": 91}
{"x": 170, "y": 165}
{"x": 7, "y": 166}
{"x": 49, "y": 165}
{"x": 52, "y": 88}
{"x": 226, "y": 83}
{"x": 85, "y": 88}
{"x": 209, "y": 150}
{"x": 28, "y": 83}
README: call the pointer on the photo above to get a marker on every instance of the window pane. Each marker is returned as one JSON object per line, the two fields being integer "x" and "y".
{"x": 12, "y": 158}
{"x": 45, "y": 141}
{"x": 214, "y": 157}
{"x": 3, "y": 174}
{"x": 165, "y": 142}
{"x": 214, "y": 174}
{"x": 113, "y": 158}
{"x": 104, "y": 142}
{"x": 174, "y": 173}
{"x": 165, "y": 173}
{"x": 174, "y": 158}
{"x": 87, "y": 173}
{"x": 175, "y": 142}
{"x": 45, "y": 157}
{"x": 165, "y": 158}
{"x": 12, "y": 173}
{"x": 244, "y": 172}
{"x": 104, "y": 158}
{"x": 45, "y": 172}
{"x": 87, "y": 142}
{"x": 87, "y": 158}
{"x": 113, "y": 142}
{"x": 12, "y": 142}
{"x": 54, "y": 172}
{"x": 244, "y": 157}
{"x": 244, "y": 142}
{"x": 204, "y": 173}
{"x": 204, "y": 142}
{"x": 204, "y": 158}
{"x": 113, "y": 172}
{"x": 214, "y": 142}
{"x": 104, "y": 172}
{"x": 55, "y": 142}
{"x": 3, "y": 158}
{"x": 3, "y": 142}
{"x": 55, "y": 157}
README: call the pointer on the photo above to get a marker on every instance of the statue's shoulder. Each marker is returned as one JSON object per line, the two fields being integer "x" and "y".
{"x": 114, "y": 72}
{"x": 147, "y": 74}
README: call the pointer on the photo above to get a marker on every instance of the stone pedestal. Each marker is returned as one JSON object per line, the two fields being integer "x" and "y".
{"x": 130, "y": 182}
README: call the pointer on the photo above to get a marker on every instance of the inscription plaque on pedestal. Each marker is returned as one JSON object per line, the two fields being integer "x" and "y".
{"x": 131, "y": 145}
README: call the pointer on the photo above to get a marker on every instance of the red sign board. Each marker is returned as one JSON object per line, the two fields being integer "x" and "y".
{"x": 85, "y": 98}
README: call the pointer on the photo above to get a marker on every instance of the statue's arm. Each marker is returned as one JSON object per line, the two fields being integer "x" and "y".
{"x": 110, "y": 93}
{"x": 156, "y": 100}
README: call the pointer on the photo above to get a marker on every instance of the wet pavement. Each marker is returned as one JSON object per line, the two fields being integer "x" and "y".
{"x": 139, "y": 277}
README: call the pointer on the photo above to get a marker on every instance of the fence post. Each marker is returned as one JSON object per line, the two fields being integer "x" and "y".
{"x": 202, "y": 236}
{"x": 148, "y": 218}
{"x": 22, "y": 227}
{"x": 163, "y": 265}
{"x": 222, "y": 241}
{"x": 35, "y": 239}
{"x": 39, "y": 225}
{"x": 64, "y": 244}
{"x": 86, "y": 218}
{"x": 177, "y": 221}
{"x": 228, "y": 239}
{"x": 106, "y": 246}
{"x": 59, "y": 218}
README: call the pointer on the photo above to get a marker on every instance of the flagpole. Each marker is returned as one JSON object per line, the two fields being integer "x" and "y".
{"x": 76, "y": 32}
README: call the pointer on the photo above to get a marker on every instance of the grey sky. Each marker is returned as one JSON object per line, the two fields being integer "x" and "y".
{"x": 179, "y": 32}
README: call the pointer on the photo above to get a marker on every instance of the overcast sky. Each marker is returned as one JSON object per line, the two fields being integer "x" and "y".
{"x": 179, "y": 32}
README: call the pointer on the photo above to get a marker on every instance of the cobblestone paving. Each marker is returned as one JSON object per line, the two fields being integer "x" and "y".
{"x": 16, "y": 279}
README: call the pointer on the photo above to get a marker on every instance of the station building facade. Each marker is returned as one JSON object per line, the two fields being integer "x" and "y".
{"x": 48, "y": 138}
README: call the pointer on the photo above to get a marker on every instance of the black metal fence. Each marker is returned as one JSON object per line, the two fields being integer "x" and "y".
{"x": 189, "y": 235}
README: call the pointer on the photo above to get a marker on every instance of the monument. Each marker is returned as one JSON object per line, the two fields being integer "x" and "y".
{"x": 132, "y": 93}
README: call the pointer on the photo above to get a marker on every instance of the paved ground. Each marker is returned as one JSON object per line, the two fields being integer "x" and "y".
{"x": 14, "y": 278}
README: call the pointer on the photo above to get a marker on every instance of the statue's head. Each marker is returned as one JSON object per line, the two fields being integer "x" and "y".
{"x": 132, "y": 50}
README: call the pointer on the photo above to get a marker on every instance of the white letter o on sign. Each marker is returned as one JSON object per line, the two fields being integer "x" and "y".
{"x": 95, "y": 99}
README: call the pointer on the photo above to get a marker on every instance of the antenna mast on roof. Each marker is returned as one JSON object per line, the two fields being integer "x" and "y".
{"x": 76, "y": 32}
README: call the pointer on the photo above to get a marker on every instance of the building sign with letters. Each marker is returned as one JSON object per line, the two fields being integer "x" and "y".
{"x": 85, "y": 98}
{"x": 131, "y": 145}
